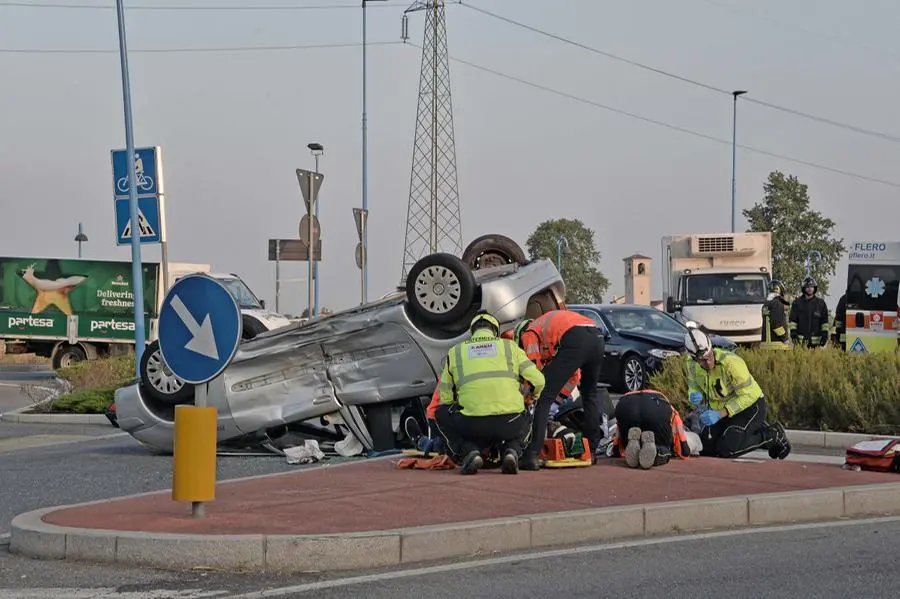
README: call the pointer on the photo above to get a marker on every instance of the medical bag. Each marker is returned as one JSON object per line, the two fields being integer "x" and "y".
{"x": 879, "y": 455}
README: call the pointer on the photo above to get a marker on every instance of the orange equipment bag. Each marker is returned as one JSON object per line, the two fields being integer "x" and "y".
{"x": 880, "y": 455}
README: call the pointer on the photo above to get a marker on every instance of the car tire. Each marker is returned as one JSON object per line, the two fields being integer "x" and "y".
{"x": 250, "y": 328}
{"x": 159, "y": 382}
{"x": 440, "y": 288}
{"x": 493, "y": 250}
{"x": 634, "y": 373}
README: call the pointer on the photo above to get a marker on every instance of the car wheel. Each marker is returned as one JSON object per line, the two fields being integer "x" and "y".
{"x": 493, "y": 250}
{"x": 158, "y": 381}
{"x": 440, "y": 288}
{"x": 634, "y": 374}
{"x": 251, "y": 328}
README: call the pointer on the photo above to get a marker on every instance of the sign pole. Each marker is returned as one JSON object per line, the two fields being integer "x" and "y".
{"x": 312, "y": 245}
{"x": 278, "y": 276}
{"x": 137, "y": 279}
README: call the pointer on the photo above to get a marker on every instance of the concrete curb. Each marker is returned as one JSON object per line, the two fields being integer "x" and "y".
{"x": 32, "y": 537}
{"x": 830, "y": 440}
{"x": 20, "y": 417}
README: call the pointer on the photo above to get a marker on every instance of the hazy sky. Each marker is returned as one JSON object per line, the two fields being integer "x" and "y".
{"x": 234, "y": 125}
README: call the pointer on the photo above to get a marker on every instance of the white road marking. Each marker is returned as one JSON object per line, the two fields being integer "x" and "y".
{"x": 104, "y": 593}
{"x": 541, "y": 555}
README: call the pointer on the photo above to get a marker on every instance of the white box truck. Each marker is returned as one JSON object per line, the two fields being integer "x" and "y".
{"x": 719, "y": 281}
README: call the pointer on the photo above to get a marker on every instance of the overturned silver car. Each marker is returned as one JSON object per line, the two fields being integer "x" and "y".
{"x": 368, "y": 364}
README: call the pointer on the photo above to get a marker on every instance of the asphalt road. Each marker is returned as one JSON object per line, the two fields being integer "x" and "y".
{"x": 850, "y": 559}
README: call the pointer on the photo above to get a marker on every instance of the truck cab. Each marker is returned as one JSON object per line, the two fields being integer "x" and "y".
{"x": 718, "y": 281}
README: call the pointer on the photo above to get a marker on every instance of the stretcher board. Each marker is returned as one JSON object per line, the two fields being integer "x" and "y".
{"x": 567, "y": 463}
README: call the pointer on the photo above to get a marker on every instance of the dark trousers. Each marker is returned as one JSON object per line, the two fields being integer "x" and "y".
{"x": 465, "y": 434}
{"x": 579, "y": 347}
{"x": 648, "y": 413}
{"x": 737, "y": 435}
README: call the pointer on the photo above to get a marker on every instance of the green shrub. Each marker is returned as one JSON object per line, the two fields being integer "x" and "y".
{"x": 822, "y": 389}
{"x": 94, "y": 383}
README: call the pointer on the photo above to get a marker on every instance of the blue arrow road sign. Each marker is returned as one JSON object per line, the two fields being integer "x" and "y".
{"x": 146, "y": 172}
{"x": 149, "y": 221}
{"x": 199, "y": 328}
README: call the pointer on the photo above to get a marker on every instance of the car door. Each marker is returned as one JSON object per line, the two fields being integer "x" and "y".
{"x": 612, "y": 352}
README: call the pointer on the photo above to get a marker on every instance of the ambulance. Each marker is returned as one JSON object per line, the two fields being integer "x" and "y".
{"x": 873, "y": 297}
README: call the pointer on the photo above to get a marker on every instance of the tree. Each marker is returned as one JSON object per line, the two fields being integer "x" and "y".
{"x": 797, "y": 230}
{"x": 320, "y": 312}
{"x": 585, "y": 284}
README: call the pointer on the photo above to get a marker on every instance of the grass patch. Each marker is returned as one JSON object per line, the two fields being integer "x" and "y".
{"x": 94, "y": 384}
{"x": 23, "y": 359}
{"x": 822, "y": 389}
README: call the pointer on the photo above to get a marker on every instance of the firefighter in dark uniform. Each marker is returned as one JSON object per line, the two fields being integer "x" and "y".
{"x": 808, "y": 320}
{"x": 775, "y": 325}
{"x": 839, "y": 339}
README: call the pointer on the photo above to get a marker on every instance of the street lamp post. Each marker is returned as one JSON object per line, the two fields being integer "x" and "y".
{"x": 560, "y": 241}
{"x": 735, "y": 94}
{"x": 317, "y": 150}
{"x": 365, "y": 155}
{"x": 80, "y": 238}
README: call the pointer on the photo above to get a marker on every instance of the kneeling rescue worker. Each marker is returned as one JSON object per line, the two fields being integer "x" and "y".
{"x": 562, "y": 342}
{"x": 481, "y": 400}
{"x": 655, "y": 431}
{"x": 734, "y": 419}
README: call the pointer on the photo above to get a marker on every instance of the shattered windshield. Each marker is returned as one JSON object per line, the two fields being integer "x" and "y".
{"x": 724, "y": 289}
{"x": 242, "y": 294}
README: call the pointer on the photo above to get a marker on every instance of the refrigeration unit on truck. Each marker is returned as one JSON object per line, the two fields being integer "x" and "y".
{"x": 70, "y": 310}
{"x": 718, "y": 281}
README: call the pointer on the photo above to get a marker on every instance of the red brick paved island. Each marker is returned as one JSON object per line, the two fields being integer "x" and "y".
{"x": 375, "y": 495}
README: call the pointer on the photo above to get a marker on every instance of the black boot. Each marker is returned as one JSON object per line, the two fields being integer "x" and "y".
{"x": 471, "y": 463}
{"x": 510, "y": 463}
{"x": 779, "y": 446}
{"x": 529, "y": 461}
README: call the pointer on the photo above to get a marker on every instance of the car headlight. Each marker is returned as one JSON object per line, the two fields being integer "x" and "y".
{"x": 662, "y": 354}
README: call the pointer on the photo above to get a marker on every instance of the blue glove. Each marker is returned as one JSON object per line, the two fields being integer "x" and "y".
{"x": 696, "y": 397}
{"x": 710, "y": 417}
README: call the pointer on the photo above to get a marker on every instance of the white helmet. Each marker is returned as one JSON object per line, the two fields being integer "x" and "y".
{"x": 697, "y": 343}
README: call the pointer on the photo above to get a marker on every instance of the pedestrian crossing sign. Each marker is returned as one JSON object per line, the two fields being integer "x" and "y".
{"x": 858, "y": 347}
{"x": 149, "y": 221}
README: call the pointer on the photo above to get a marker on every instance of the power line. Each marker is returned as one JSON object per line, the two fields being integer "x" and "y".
{"x": 664, "y": 124}
{"x": 694, "y": 82}
{"x": 181, "y": 50}
{"x": 195, "y": 7}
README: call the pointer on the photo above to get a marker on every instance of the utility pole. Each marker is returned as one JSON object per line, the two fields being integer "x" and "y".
{"x": 80, "y": 238}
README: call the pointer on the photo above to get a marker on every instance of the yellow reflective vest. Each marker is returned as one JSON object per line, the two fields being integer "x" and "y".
{"x": 728, "y": 386}
{"x": 483, "y": 376}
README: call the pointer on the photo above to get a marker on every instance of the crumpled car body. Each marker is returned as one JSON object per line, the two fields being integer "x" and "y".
{"x": 359, "y": 363}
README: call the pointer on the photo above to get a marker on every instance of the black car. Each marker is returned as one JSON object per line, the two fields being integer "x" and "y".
{"x": 638, "y": 340}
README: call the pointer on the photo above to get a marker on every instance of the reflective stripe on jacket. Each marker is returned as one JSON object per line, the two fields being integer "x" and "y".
{"x": 728, "y": 386}
{"x": 774, "y": 332}
{"x": 541, "y": 338}
{"x": 482, "y": 375}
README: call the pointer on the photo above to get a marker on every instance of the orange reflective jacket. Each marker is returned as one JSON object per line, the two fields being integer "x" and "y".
{"x": 541, "y": 339}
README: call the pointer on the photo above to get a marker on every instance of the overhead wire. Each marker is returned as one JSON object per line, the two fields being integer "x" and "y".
{"x": 190, "y": 50}
{"x": 683, "y": 79}
{"x": 188, "y": 7}
{"x": 663, "y": 124}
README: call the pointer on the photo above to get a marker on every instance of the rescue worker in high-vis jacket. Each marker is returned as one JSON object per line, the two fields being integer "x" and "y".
{"x": 561, "y": 342}
{"x": 481, "y": 401}
{"x": 839, "y": 337}
{"x": 731, "y": 403}
{"x": 775, "y": 333}
{"x": 808, "y": 320}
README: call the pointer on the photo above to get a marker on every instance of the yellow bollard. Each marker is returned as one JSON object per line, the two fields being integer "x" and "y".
{"x": 194, "y": 460}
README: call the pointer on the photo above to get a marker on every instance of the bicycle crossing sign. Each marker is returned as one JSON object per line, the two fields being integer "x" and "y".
{"x": 149, "y": 186}
{"x": 147, "y": 171}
